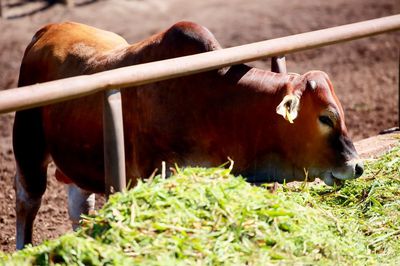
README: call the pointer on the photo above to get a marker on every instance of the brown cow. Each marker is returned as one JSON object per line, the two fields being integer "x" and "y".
{"x": 241, "y": 112}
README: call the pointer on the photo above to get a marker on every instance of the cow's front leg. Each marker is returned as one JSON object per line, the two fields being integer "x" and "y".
{"x": 80, "y": 201}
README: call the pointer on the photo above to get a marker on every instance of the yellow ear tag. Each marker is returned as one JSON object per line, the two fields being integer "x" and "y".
{"x": 288, "y": 116}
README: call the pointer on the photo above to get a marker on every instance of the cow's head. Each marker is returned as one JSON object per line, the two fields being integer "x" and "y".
{"x": 315, "y": 130}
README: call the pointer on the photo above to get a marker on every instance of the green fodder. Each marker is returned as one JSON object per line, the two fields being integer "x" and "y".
{"x": 69, "y": 249}
{"x": 369, "y": 206}
{"x": 208, "y": 217}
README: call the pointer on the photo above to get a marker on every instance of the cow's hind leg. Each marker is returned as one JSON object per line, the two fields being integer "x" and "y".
{"x": 80, "y": 202}
{"x": 30, "y": 180}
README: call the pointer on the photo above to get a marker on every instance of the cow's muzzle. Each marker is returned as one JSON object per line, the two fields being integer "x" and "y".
{"x": 351, "y": 170}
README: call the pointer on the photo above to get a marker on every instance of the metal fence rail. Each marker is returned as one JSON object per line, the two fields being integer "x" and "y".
{"x": 75, "y": 87}
{"x": 70, "y": 88}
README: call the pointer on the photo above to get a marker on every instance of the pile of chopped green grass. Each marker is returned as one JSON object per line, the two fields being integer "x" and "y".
{"x": 369, "y": 207}
{"x": 208, "y": 217}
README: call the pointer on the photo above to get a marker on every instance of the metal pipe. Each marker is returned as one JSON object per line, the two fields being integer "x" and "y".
{"x": 114, "y": 148}
{"x": 278, "y": 64}
{"x": 70, "y": 88}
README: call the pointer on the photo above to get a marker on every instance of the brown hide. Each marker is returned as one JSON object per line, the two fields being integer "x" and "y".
{"x": 199, "y": 120}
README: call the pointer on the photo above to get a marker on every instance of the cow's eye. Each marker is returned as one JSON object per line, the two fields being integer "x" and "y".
{"x": 326, "y": 120}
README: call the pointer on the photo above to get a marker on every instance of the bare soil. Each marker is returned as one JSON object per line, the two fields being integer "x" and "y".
{"x": 364, "y": 72}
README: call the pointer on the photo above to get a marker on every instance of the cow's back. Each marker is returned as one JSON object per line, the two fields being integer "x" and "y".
{"x": 66, "y": 49}
{"x": 73, "y": 129}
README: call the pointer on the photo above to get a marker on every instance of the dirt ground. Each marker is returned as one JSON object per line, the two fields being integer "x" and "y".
{"x": 364, "y": 72}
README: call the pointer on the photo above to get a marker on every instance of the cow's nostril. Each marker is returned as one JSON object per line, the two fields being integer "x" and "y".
{"x": 359, "y": 169}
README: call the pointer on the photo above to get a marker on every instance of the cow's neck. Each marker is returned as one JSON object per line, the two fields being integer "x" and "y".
{"x": 273, "y": 169}
{"x": 262, "y": 80}
{"x": 246, "y": 124}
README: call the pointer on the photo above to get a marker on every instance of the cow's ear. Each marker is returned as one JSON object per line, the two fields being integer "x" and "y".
{"x": 289, "y": 107}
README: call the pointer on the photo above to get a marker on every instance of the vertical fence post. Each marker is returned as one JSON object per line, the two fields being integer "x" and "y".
{"x": 278, "y": 64}
{"x": 113, "y": 135}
